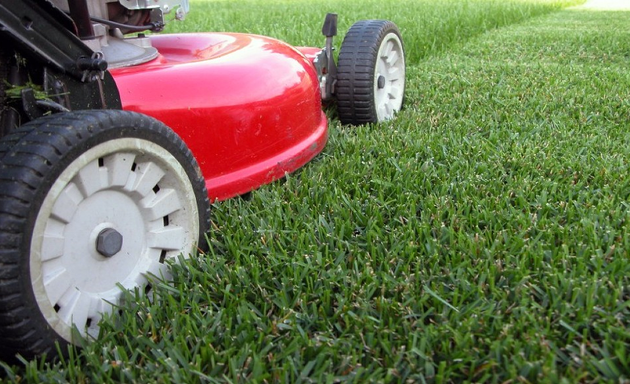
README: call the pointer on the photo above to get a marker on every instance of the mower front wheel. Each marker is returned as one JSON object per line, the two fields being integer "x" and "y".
{"x": 370, "y": 73}
{"x": 89, "y": 201}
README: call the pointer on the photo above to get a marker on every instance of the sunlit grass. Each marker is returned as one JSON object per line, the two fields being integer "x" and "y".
{"x": 428, "y": 26}
{"x": 481, "y": 236}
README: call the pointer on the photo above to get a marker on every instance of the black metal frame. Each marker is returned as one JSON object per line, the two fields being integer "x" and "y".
{"x": 41, "y": 47}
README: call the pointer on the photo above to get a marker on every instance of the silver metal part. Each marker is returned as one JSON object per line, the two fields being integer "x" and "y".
{"x": 326, "y": 73}
{"x": 320, "y": 63}
{"x": 324, "y": 61}
{"x": 181, "y": 7}
{"x": 117, "y": 50}
{"x": 129, "y": 51}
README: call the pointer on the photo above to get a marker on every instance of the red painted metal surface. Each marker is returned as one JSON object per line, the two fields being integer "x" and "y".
{"x": 309, "y": 52}
{"x": 248, "y": 107}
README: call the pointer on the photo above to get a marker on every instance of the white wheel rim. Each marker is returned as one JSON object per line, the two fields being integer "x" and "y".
{"x": 133, "y": 186}
{"x": 389, "y": 77}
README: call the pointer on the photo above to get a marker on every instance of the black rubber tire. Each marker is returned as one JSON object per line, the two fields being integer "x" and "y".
{"x": 4, "y": 77}
{"x": 357, "y": 87}
{"x": 4, "y": 74}
{"x": 32, "y": 158}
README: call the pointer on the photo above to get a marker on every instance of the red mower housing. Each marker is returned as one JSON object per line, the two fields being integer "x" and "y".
{"x": 113, "y": 147}
{"x": 248, "y": 107}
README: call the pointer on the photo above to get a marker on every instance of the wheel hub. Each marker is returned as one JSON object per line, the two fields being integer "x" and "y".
{"x": 109, "y": 242}
{"x": 381, "y": 82}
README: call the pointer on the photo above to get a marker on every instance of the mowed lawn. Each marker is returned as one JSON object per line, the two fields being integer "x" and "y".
{"x": 481, "y": 236}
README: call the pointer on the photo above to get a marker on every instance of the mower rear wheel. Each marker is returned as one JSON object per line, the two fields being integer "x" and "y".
{"x": 89, "y": 201}
{"x": 4, "y": 76}
{"x": 370, "y": 73}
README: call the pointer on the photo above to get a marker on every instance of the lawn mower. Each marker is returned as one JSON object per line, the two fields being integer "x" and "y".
{"x": 114, "y": 141}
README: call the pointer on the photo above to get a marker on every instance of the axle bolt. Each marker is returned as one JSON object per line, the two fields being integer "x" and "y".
{"x": 109, "y": 242}
{"x": 381, "y": 82}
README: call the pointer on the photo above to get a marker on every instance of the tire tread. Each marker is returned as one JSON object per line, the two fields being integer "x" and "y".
{"x": 355, "y": 71}
{"x": 28, "y": 156}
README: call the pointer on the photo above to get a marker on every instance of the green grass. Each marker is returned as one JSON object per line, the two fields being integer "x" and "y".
{"x": 480, "y": 236}
{"x": 429, "y": 26}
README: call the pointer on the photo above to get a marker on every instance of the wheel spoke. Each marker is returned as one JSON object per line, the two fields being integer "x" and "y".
{"x": 90, "y": 179}
{"x": 67, "y": 304}
{"x": 167, "y": 238}
{"x": 112, "y": 299}
{"x": 382, "y": 110}
{"x": 394, "y": 74}
{"x": 95, "y": 308}
{"x": 392, "y": 58}
{"x": 149, "y": 174}
{"x": 154, "y": 269}
{"x": 67, "y": 203}
{"x": 79, "y": 309}
{"x": 100, "y": 307}
{"x": 387, "y": 49}
{"x": 119, "y": 168}
{"x": 394, "y": 93}
{"x": 52, "y": 247}
{"x": 57, "y": 283}
{"x": 165, "y": 202}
